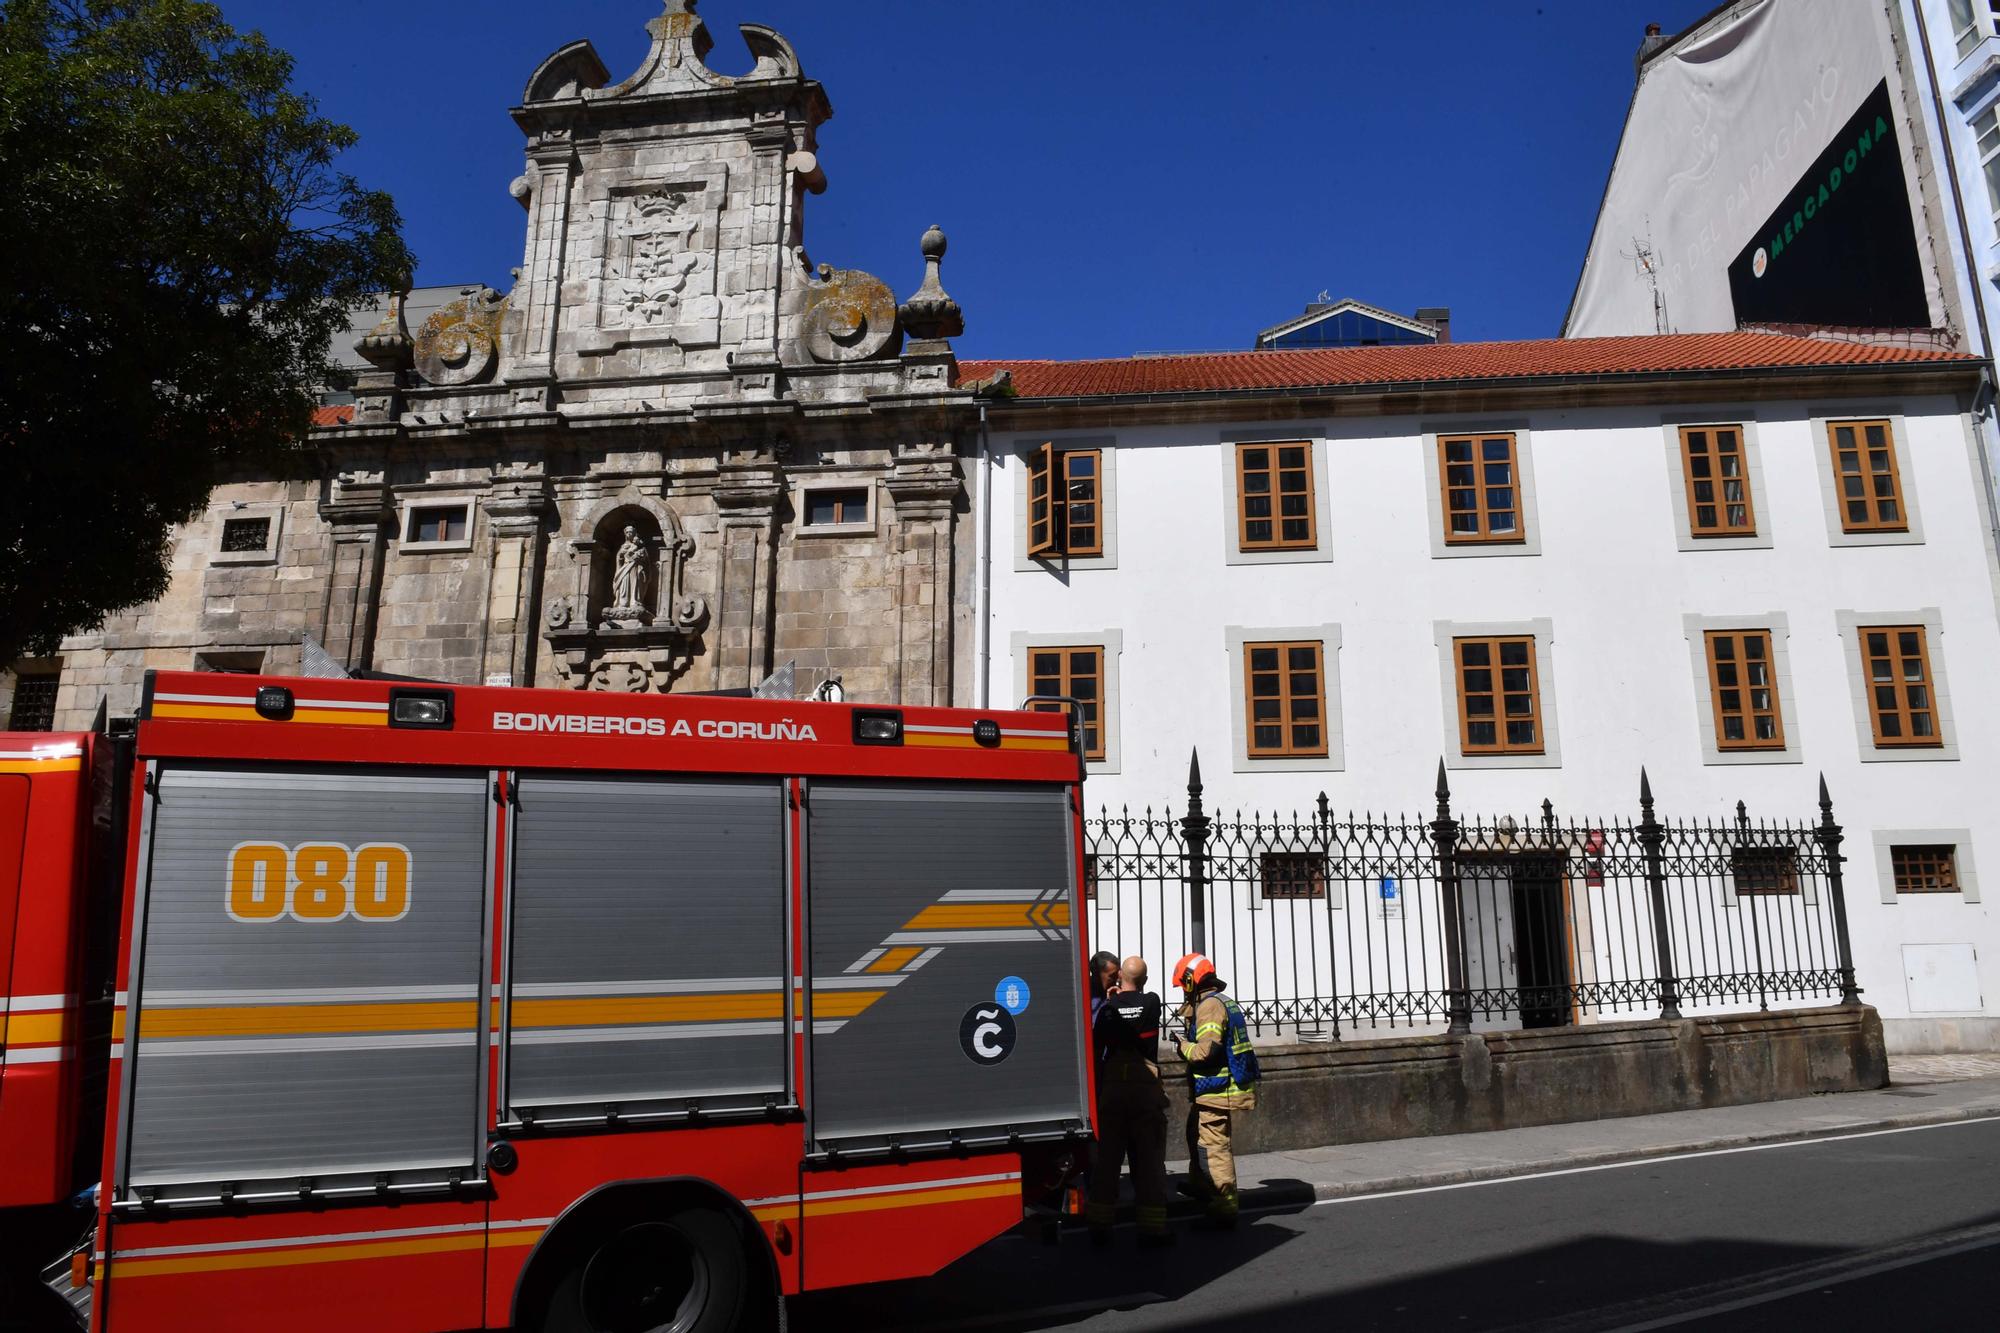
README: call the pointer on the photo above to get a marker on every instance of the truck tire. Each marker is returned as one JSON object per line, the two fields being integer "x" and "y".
{"x": 685, "y": 1272}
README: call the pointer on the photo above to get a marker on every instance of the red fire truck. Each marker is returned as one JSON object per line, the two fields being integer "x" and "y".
{"x": 423, "y": 1007}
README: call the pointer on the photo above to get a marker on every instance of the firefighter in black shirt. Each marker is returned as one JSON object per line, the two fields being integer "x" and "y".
{"x": 1131, "y": 1109}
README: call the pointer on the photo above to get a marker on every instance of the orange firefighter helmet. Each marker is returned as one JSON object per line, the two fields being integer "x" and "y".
{"x": 1192, "y": 970}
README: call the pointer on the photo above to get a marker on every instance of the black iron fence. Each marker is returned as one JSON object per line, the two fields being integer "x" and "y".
{"x": 1323, "y": 922}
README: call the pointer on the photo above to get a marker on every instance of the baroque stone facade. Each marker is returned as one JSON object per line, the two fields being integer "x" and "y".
{"x": 773, "y": 445}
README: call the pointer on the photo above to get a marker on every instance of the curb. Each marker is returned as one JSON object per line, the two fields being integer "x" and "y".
{"x": 1614, "y": 1156}
{"x": 1277, "y": 1198}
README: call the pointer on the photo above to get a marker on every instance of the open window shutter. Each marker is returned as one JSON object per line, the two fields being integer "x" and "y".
{"x": 1044, "y": 503}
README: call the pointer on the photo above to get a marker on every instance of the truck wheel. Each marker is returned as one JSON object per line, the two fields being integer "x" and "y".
{"x": 684, "y": 1273}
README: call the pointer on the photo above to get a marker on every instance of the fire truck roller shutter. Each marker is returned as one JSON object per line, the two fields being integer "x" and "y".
{"x": 944, "y": 971}
{"x": 309, "y": 994}
{"x": 648, "y": 946}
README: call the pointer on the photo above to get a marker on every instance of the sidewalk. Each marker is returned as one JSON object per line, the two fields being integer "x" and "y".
{"x": 1926, "y": 1090}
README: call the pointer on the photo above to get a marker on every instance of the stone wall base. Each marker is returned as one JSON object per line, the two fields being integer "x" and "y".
{"x": 1359, "y": 1091}
{"x": 1938, "y": 1036}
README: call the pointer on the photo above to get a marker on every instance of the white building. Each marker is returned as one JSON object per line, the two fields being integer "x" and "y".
{"x": 1342, "y": 644}
{"x": 1958, "y": 44}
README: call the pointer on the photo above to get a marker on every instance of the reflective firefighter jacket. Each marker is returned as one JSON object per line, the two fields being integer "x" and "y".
{"x": 1220, "y": 1061}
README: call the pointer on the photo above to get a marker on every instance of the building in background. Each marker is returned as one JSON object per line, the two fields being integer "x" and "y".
{"x": 1779, "y": 165}
{"x": 1737, "y": 560}
{"x": 1959, "y": 46}
{"x": 1352, "y": 323}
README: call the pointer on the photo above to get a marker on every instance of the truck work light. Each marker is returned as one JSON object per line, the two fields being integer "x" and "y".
{"x": 878, "y": 727}
{"x": 274, "y": 702}
{"x": 420, "y": 708}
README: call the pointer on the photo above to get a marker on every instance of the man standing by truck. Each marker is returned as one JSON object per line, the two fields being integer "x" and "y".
{"x": 1222, "y": 1070}
{"x": 1131, "y": 1109}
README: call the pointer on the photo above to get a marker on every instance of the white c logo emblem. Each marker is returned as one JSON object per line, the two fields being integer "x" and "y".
{"x": 986, "y": 1034}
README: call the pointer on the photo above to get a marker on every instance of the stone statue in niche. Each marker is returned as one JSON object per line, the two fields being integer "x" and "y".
{"x": 628, "y": 581}
{"x": 658, "y": 230}
{"x": 630, "y": 625}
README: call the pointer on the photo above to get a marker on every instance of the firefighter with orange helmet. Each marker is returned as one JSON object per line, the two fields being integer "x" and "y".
{"x": 1222, "y": 1069}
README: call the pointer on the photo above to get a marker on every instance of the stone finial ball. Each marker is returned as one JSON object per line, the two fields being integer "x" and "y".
{"x": 933, "y": 243}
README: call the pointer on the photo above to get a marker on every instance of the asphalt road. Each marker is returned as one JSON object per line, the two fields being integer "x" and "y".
{"x": 1884, "y": 1230}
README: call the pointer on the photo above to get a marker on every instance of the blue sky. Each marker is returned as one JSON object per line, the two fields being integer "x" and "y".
{"x": 1114, "y": 176}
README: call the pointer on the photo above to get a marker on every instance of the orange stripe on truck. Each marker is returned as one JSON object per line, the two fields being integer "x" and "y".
{"x": 20, "y": 1029}
{"x": 351, "y": 717}
{"x": 629, "y": 1009}
{"x": 38, "y": 767}
{"x": 286, "y": 1258}
{"x": 953, "y": 741}
{"x": 279, "y": 1020}
{"x": 262, "y": 1020}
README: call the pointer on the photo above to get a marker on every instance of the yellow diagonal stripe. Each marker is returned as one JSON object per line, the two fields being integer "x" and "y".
{"x": 989, "y": 916}
{"x": 843, "y": 1003}
{"x": 892, "y": 960}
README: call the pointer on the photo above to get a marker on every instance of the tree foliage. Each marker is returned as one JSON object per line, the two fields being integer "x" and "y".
{"x": 178, "y": 251}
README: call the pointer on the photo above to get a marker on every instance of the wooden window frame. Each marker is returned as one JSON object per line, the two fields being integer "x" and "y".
{"x": 1936, "y": 862}
{"x": 1276, "y": 472}
{"x": 1482, "y": 511}
{"x": 1749, "y": 714}
{"x": 1499, "y": 717}
{"x": 1093, "y": 720}
{"x": 1691, "y": 483}
{"x": 1050, "y": 485}
{"x": 414, "y": 505}
{"x": 1287, "y": 700}
{"x": 458, "y": 516}
{"x": 1905, "y": 714}
{"x": 1874, "y": 522}
{"x": 839, "y": 493}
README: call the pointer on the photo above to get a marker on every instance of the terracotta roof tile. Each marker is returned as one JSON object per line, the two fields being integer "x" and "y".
{"x": 338, "y": 415}
{"x": 1444, "y": 362}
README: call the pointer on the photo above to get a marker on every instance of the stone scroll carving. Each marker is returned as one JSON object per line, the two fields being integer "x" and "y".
{"x": 460, "y": 343}
{"x": 849, "y": 316}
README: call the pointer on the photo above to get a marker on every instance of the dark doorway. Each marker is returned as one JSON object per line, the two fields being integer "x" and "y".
{"x": 1541, "y": 941}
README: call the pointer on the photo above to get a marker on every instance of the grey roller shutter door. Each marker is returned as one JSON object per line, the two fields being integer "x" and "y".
{"x": 922, "y": 902}
{"x": 281, "y": 1048}
{"x": 648, "y": 942}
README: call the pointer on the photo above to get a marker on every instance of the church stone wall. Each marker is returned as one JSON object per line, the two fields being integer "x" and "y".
{"x": 635, "y": 432}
